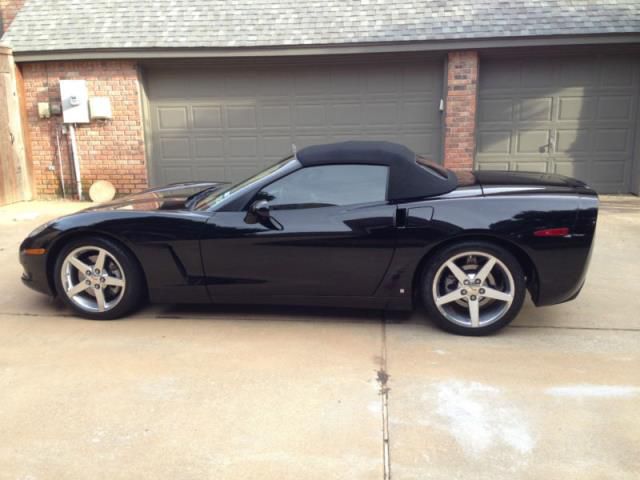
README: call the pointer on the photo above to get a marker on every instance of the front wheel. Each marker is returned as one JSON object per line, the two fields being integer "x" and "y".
{"x": 473, "y": 288}
{"x": 98, "y": 279}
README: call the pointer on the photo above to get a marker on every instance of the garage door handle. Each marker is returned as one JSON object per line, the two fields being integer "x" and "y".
{"x": 552, "y": 144}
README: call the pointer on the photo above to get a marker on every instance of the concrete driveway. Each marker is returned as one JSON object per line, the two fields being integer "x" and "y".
{"x": 204, "y": 392}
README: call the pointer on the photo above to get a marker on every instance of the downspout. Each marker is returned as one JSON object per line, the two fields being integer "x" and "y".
{"x": 76, "y": 160}
{"x": 59, "y": 155}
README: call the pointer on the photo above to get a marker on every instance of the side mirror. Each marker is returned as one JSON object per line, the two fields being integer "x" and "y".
{"x": 260, "y": 212}
{"x": 261, "y": 209}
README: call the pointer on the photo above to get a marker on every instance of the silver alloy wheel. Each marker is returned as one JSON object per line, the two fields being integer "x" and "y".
{"x": 473, "y": 289}
{"x": 93, "y": 279}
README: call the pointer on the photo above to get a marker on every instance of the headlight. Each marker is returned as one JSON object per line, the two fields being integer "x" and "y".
{"x": 41, "y": 228}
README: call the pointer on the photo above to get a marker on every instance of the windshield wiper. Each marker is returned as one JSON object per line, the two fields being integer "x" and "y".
{"x": 193, "y": 198}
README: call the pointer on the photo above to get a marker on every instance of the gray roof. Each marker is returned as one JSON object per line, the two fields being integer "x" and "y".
{"x": 50, "y": 25}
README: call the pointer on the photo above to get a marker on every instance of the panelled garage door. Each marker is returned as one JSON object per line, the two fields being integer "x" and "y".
{"x": 573, "y": 115}
{"x": 226, "y": 122}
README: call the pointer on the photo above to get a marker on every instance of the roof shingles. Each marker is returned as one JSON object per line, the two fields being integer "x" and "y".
{"x": 55, "y": 25}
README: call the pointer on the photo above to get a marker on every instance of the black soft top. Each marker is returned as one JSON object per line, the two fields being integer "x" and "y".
{"x": 407, "y": 178}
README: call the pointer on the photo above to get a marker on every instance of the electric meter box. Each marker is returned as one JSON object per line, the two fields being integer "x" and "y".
{"x": 75, "y": 101}
{"x": 100, "y": 108}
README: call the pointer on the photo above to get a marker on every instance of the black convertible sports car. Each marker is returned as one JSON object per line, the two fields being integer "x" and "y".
{"x": 366, "y": 224}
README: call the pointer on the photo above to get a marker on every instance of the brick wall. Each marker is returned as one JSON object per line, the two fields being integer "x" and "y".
{"x": 460, "y": 117}
{"x": 114, "y": 150}
{"x": 109, "y": 150}
{"x": 8, "y": 10}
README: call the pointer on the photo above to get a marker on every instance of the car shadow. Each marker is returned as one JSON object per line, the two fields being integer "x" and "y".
{"x": 47, "y": 306}
{"x": 275, "y": 313}
{"x": 416, "y": 318}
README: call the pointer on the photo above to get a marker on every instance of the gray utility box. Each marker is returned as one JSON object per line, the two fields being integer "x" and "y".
{"x": 75, "y": 101}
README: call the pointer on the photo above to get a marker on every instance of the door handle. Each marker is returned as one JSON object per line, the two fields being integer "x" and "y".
{"x": 401, "y": 218}
{"x": 551, "y": 146}
{"x": 548, "y": 147}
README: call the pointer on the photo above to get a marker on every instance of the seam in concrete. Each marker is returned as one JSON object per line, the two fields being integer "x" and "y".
{"x": 383, "y": 378}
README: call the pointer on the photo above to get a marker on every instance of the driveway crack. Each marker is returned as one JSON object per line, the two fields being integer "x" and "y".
{"x": 382, "y": 378}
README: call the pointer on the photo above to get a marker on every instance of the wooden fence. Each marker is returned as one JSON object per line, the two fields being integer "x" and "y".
{"x": 15, "y": 174}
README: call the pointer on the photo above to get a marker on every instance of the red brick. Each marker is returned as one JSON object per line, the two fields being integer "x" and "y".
{"x": 460, "y": 115}
{"x": 105, "y": 151}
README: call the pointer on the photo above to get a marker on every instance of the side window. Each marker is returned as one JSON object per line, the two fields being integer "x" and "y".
{"x": 328, "y": 185}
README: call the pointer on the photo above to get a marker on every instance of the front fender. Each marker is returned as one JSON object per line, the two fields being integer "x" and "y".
{"x": 166, "y": 245}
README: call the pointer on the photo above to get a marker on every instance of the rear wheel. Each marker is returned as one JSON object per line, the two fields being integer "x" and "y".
{"x": 98, "y": 279}
{"x": 473, "y": 288}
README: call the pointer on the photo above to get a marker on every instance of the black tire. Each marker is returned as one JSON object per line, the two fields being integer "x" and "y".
{"x": 129, "y": 296}
{"x": 504, "y": 312}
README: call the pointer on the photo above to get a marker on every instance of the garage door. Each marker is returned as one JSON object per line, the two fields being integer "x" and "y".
{"x": 226, "y": 122}
{"x": 573, "y": 115}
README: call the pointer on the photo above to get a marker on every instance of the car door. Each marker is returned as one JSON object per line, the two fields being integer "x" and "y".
{"x": 329, "y": 232}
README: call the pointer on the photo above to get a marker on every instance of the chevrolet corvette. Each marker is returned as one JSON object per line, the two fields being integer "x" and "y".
{"x": 361, "y": 224}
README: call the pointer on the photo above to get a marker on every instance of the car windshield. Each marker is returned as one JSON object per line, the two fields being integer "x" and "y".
{"x": 217, "y": 196}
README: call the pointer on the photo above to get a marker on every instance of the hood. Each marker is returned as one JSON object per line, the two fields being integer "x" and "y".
{"x": 170, "y": 197}
{"x": 493, "y": 181}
